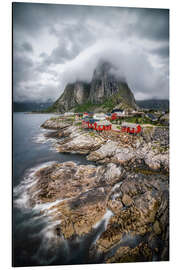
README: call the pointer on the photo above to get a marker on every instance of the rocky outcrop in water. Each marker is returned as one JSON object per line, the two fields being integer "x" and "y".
{"x": 55, "y": 123}
{"x": 148, "y": 152}
{"x": 79, "y": 142}
{"x": 80, "y": 192}
{"x": 131, "y": 209}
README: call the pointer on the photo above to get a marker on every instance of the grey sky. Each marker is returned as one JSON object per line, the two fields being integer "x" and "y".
{"x": 57, "y": 44}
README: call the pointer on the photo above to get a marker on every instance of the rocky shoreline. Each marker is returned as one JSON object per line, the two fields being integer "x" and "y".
{"x": 125, "y": 192}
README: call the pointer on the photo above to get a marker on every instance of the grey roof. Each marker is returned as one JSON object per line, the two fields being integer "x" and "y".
{"x": 104, "y": 123}
{"x": 131, "y": 125}
{"x": 151, "y": 116}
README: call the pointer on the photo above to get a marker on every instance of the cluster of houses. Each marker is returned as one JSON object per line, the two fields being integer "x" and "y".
{"x": 97, "y": 122}
{"x": 101, "y": 121}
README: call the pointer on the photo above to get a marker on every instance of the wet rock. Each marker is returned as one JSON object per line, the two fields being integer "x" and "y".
{"x": 148, "y": 206}
{"x": 112, "y": 174}
{"x": 156, "y": 227}
{"x": 73, "y": 195}
{"x": 77, "y": 198}
{"x": 123, "y": 156}
{"x": 127, "y": 201}
{"x": 105, "y": 151}
{"x": 131, "y": 183}
{"x": 81, "y": 143}
{"x": 156, "y": 162}
{"x": 143, "y": 199}
{"x": 81, "y": 213}
{"x": 115, "y": 206}
{"x": 62, "y": 180}
{"x": 55, "y": 123}
{"x": 126, "y": 254}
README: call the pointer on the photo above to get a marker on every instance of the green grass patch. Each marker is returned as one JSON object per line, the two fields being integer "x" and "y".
{"x": 139, "y": 120}
{"x": 92, "y": 134}
{"x": 118, "y": 127}
{"x": 55, "y": 118}
{"x": 86, "y": 107}
{"x": 78, "y": 124}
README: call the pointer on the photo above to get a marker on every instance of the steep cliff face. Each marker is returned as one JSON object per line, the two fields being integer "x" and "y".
{"x": 73, "y": 95}
{"x": 105, "y": 85}
{"x": 105, "y": 91}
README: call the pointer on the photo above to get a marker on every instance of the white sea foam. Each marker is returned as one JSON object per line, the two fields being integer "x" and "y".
{"x": 41, "y": 138}
{"x": 116, "y": 186}
{"x": 116, "y": 195}
{"x": 46, "y": 206}
{"x": 48, "y": 230}
{"x": 105, "y": 218}
{"x": 21, "y": 196}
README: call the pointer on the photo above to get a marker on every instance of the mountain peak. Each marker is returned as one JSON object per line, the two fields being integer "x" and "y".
{"x": 104, "y": 88}
{"x": 103, "y": 67}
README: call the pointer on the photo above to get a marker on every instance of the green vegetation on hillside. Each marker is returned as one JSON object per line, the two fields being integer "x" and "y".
{"x": 107, "y": 105}
{"x": 136, "y": 120}
{"x": 86, "y": 107}
{"x": 50, "y": 109}
{"x": 115, "y": 100}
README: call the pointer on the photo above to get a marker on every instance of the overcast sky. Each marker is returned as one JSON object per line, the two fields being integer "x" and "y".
{"x": 57, "y": 44}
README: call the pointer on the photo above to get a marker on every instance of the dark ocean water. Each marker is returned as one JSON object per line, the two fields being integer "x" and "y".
{"x": 29, "y": 150}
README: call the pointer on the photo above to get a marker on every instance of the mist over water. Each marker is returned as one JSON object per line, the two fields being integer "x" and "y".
{"x": 33, "y": 241}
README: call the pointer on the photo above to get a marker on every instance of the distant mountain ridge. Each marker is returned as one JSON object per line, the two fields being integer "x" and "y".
{"x": 154, "y": 104}
{"x": 31, "y": 106}
{"x": 104, "y": 92}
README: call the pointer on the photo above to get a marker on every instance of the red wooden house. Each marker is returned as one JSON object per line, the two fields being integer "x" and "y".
{"x": 130, "y": 128}
{"x": 97, "y": 125}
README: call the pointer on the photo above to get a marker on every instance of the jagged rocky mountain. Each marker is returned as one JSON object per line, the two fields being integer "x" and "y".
{"x": 74, "y": 94}
{"x": 105, "y": 92}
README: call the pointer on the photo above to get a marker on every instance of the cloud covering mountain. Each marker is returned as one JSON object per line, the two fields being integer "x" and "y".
{"x": 58, "y": 44}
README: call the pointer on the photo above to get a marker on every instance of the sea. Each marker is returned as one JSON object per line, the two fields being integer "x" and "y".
{"x": 30, "y": 236}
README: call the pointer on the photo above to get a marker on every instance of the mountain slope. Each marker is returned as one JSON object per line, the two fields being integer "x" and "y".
{"x": 31, "y": 106}
{"x": 154, "y": 104}
{"x": 73, "y": 95}
{"x": 105, "y": 92}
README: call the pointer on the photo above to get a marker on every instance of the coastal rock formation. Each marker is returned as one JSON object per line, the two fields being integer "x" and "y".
{"x": 54, "y": 123}
{"x": 132, "y": 209}
{"x": 123, "y": 149}
{"x": 76, "y": 195}
{"x": 79, "y": 141}
{"x": 105, "y": 85}
{"x": 138, "y": 220}
{"x": 122, "y": 199}
{"x": 106, "y": 151}
{"x": 142, "y": 156}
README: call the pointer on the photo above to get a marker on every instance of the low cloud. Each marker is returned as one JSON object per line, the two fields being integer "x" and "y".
{"x": 27, "y": 47}
{"x": 57, "y": 44}
{"x": 130, "y": 62}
